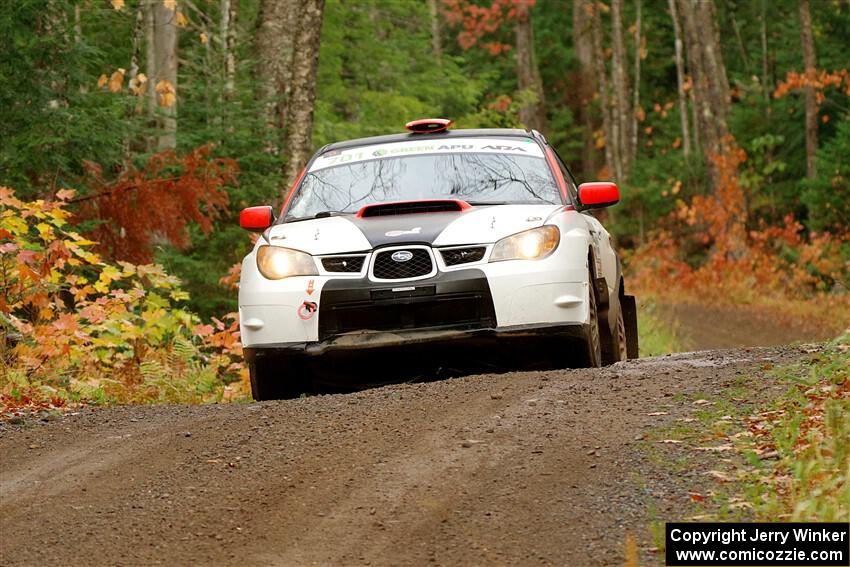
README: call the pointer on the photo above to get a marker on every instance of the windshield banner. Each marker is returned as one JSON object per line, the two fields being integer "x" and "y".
{"x": 515, "y": 146}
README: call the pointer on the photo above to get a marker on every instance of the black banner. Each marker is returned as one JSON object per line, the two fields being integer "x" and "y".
{"x": 758, "y": 544}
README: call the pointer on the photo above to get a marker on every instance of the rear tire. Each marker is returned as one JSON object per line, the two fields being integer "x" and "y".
{"x": 618, "y": 342}
{"x": 590, "y": 346}
{"x": 277, "y": 379}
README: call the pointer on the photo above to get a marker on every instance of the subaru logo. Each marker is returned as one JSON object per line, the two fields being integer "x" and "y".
{"x": 402, "y": 256}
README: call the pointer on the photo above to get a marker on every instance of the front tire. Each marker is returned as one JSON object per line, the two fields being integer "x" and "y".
{"x": 276, "y": 379}
{"x": 590, "y": 346}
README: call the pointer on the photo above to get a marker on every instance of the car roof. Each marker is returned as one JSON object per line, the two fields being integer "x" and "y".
{"x": 407, "y": 136}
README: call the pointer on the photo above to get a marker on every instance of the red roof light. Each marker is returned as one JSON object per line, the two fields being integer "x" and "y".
{"x": 428, "y": 125}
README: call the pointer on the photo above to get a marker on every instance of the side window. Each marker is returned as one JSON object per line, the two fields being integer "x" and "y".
{"x": 572, "y": 189}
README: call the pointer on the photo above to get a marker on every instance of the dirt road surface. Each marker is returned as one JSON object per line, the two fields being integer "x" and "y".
{"x": 533, "y": 468}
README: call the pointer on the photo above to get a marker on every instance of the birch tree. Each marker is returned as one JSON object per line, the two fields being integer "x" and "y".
{"x": 165, "y": 82}
{"x": 620, "y": 80}
{"x": 710, "y": 84}
{"x": 612, "y": 159}
{"x": 808, "y": 44}
{"x": 680, "y": 79}
{"x": 436, "y": 31}
{"x": 298, "y": 143}
{"x": 586, "y": 87}
{"x": 532, "y": 114}
{"x": 275, "y": 46}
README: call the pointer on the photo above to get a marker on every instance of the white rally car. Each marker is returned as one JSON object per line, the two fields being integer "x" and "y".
{"x": 389, "y": 248}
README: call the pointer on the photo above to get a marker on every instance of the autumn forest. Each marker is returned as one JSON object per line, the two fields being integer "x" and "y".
{"x": 133, "y": 132}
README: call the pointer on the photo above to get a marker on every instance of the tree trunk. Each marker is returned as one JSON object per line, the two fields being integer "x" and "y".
{"x": 745, "y": 56}
{"x": 78, "y": 38}
{"x": 436, "y": 32}
{"x": 710, "y": 86}
{"x": 680, "y": 80}
{"x": 275, "y": 46}
{"x": 621, "y": 90}
{"x": 636, "y": 92}
{"x": 533, "y": 114}
{"x": 150, "y": 68}
{"x": 165, "y": 56}
{"x": 764, "y": 55}
{"x": 611, "y": 158}
{"x": 133, "y": 76}
{"x": 229, "y": 10}
{"x": 810, "y": 63}
{"x": 717, "y": 80}
{"x": 586, "y": 87}
{"x": 299, "y": 132}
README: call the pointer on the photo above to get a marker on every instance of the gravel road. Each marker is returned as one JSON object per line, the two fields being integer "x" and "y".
{"x": 513, "y": 469}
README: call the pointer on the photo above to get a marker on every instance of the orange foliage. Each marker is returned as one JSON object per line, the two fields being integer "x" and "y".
{"x": 93, "y": 330}
{"x": 479, "y": 21}
{"x": 819, "y": 80}
{"x": 771, "y": 266}
{"x": 156, "y": 202}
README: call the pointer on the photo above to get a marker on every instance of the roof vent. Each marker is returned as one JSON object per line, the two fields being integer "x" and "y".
{"x": 413, "y": 207}
{"x": 428, "y": 125}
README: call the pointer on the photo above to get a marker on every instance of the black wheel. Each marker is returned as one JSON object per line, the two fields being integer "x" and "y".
{"x": 629, "y": 306}
{"x": 617, "y": 341}
{"x": 590, "y": 346}
{"x": 277, "y": 379}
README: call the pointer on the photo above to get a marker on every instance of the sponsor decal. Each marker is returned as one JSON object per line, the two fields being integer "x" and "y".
{"x": 392, "y": 233}
{"x": 307, "y": 310}
{"x": 519, "y": 146}
{"x": 457, "y": 147}
{"x": 504, "y": 148}
{"x": 402, "y": 256}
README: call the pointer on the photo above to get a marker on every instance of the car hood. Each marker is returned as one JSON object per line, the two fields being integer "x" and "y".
{"x": 341, "y": 234}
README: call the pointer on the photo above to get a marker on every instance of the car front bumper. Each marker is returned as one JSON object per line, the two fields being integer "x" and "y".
{"x": 352, "y": 343}
{"x": 315, "y": 314}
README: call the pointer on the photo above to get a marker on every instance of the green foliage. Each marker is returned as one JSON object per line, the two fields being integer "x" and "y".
{"x": 656, "y": 336}
{"x": 377, "y": 71}
{"x": 827, "y": 196}
{"x": 54, "y": 118}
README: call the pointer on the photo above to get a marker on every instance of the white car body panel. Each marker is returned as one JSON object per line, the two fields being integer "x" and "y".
{"x": 552, "y": 290}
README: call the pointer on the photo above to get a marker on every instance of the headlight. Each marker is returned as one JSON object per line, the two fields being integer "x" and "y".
{"x": 277, "y": 263}
{"x": 532, "y": 244}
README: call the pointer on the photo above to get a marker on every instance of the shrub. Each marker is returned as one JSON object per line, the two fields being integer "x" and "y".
{"x": 89, "y": 330}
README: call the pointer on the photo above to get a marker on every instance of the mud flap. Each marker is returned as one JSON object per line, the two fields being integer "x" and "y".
{"x": 629, "y": 307}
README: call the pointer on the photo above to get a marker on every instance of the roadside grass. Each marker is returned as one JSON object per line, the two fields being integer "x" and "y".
{"x": 806, "y": 434}
{"x": 655, "y": 335}
{"x": 786, "y": 459}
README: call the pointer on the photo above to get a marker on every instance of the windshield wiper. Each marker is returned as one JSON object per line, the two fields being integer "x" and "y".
{"x": 319, "y": 215}
{"x": 483, "y": 203}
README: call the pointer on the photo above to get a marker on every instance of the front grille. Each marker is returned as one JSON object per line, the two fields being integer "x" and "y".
{"x": 347, "y": 264}
{"x": 453, "y": 300}
{"x": 418, "y": 265}
{"x": 457, "y": 256}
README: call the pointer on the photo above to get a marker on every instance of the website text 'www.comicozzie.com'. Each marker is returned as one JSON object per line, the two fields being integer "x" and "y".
{"x": 745, "y": 544}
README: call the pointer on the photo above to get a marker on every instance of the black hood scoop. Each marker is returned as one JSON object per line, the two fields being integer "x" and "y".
{"x": 413, "y": 207}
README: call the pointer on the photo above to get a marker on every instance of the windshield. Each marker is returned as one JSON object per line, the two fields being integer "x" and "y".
{"x": 478, "y": 178}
